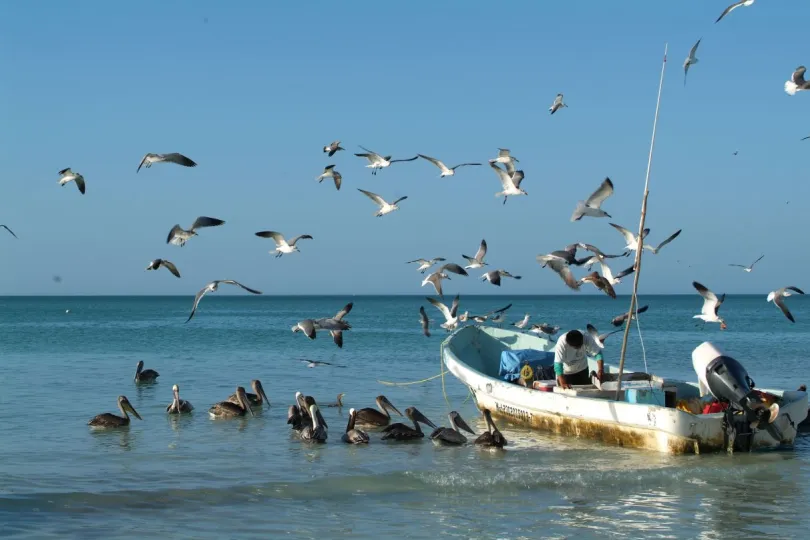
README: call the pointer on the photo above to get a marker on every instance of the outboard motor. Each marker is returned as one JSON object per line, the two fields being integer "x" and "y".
{"x": 728, "y": 381}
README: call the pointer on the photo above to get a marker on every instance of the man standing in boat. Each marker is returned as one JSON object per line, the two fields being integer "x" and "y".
{"x": 571, "y": 358}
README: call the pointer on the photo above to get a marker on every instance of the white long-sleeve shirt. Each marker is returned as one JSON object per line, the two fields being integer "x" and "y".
{"x": 575, "y": 360}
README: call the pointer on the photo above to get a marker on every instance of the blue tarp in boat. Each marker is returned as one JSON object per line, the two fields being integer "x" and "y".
{"x": 513, "y": 360}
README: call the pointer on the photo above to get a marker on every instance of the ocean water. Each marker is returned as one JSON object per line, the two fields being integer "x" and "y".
{"x": 194, "y": 477}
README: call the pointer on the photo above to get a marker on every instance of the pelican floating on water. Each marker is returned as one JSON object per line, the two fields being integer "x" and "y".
{"x": 452, "y": 435}
{"x": 298, "y": 414}
{"x": 373, "y": 417}
{"x": 178, "y": 406}
{"x": 109, "y": 420}
{"x": 315, "y": 432}
{"x": 492, "y": 438}
{"x": 352, "y": 435}
{"x": 226, "y": 409}
{"x": 145, "y": 375}
{"x": 404, "y": 432}
{"x": 258, "y": 399}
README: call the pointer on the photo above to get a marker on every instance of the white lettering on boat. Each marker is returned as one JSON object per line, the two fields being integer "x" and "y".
{"x": 514, "y": 412}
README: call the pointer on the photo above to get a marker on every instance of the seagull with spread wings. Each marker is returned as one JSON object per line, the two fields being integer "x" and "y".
{"x": 560, "y": 265}
{"x": 330, "y": 172}
{"x": 179, "y": 236}
{"x": 334, "y": 325}
{"x": 592, "y": 206}
{"x": 478, "y": 260}
{"x": 424, "y": 321}
{"x": 732, "y": 7}
{"x": 451, "y": 319}
{"x": 750, "y": 266}
{"x": 436, "y": 277}
{"x": 446, "y": 171}
{"x": 376, "y": 161}
{"x": 711, "y": 304}
{"x": 66, "y": 175}
{"x": 495, "y": 276}
{"x": 618, "y": 320}
{"x": 630, "y": 238}
{"x": 282, "y": 246}
{"x": 9, "y": 230}
{"x": 424, "y": 264}
{"x": 174, "y": 157}
{"x": 690, "y": 60}
{"x": 168, "y": 265}
{"x": 212, "y": 287}
{"x": 509, "y": 182}
{"x": 385, "y": 207}
{"x": 778, "y": 298}
{"x": 657, "y": 248}
{"x": 557, "y": 105}
{"x": 333, "y": 147}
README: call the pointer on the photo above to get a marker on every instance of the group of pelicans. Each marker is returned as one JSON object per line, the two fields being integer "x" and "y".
{"x": 306, "y": 419}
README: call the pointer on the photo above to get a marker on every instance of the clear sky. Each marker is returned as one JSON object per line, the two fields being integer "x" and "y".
{"x": 252, "y": 91}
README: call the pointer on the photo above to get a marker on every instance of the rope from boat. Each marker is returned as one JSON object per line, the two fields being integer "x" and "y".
{"x": 389, "y": 383}
{"x": 641, "y": 340}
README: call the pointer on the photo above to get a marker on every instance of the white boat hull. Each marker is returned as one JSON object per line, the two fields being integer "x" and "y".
{"x": 472, "y": 354}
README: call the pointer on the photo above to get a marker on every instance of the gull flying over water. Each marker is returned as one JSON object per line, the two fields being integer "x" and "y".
{"x": 557, "y": 105}
{"x": 66, "y": 175}
{"x": 630, "y": 238}
{"x": 385, "y": 208}
{"x": 505, "y": 158}
{"x": 597, "y": 337}
{"x": 690, "y": 60}
{"x": 778, "y": 297}
{"x": 600, "y": 283}
{"x": 711, "y": 304}
{"x": 376, "y": 161}
{"x": 560, "y": 265}
{"x": 333, "y": 147}
{"x": 451, "y": 319}
{"x": 732, "y": 7}
{"x": 9, "y": 230}
{"x": 495, "y": 276}
{"x": 657, "y": 248}
{"x": 510, "y": 182}
{"x": 749, "y": 267}
{"x": 436, "y": 277}
{"x": 174, "y": 157}
{"x": 591, "y": 206}
{"x": 797, "y": 82}
{"x": 425, "y": 322}
{"x": 446, "y": 171}
{"x": 330, "y": 172}
{"x": 282, "y": 246}
{"x": 480, "y": 319}
{"x": 608, "y": 274}
{"x": 212, "y": 287}
{"x": 544, "y": 328}
{"x": 478, "y": 260}
{"x": 424, "y": 264}
{"x": 168, "y": 265}
{"x": 179, "y": 236}
{"x": 618, "y": 320}
{"x": 334, "y": 325}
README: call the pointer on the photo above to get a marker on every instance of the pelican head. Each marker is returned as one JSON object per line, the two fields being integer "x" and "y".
{"x": 126, "y": 406}
{"x": 416, "y": 415}
{"x": 176, "y": 391}
{"x": 256, "y": 384}
{"x": 243, "y": 400}
{"x": 458, "y": 422}
{"x": 315, "y": 414}
{"x": 140, "y": 367}
{"x": 384, "y": 404}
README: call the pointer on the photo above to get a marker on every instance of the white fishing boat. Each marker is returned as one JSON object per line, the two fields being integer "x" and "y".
{"x": 473, "y": 355}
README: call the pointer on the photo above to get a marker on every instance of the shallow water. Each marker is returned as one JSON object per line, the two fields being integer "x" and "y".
{"x": 194, "y": 477}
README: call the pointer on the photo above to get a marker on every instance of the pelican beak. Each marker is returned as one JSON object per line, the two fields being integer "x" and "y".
{"x": 321, "y": 421}
{"x": 246, "y": 404}
{"x": 264, "y": 396}
{"x": 131, "y": 409}
{"x": 419, "y": 417}
{"x": 463, "y": 425}
{"x": 387, "y": 404}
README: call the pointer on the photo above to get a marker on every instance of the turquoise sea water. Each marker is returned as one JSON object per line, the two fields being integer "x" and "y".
{"x": 193, "y": 477}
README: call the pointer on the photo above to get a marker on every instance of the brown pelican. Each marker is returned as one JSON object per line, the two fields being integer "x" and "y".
{"x": 404, "y": 432}
{"x": 145, "y": 375}
{"x": 373, "y": 417}
{"x": 258, "y": 399}
{"x": 298, "y": 414}
{"x": 452, "y": 435}
{"x": 354, "y": 436}
{"x": 110, "y": 420}
{"x": 315, "y": 432}
{"x": 226, "y": 409}
{"x": 178, "y": 406}
{"x": 492, "y": 437}
{"x": 339, "y": 402}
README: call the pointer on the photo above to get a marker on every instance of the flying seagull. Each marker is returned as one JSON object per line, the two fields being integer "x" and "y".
{"x": 608, "y": 274}
{"x": 523, "y": 322}
{"x": 749, "y": 267}
{"x": 424, "y": 264}
{"x": 333, "y": 147}
{"x": 597, "y": 337}
{"x": 690, "y": 60}
{"x": 478, "y": 260}
{"x": 657, "y": 248}
{"x": 732, "y": 7}
{"x": 446, "y": 171}
{"x": 330, "y": 172}
{"x": 450, "y": 315}
{"x": 630, "y": 238}
{"x": 561, "y": 266}
{"x": 376, "y": 161}
{"x": 618, "y": 320}
{"x": 778, "y": 298}
{"x": 282, "y": 246}
{"x": 212, "y": 287}
{"x": 558, "y": 103}
{"x": 436, "y": 277}
{"x": 591, "y": 206}
{"x": 711, "y": 303}
{"x": 66, "y": 175}
{"x": 385, "y": 208}
{"x": 179, "y": 236}
{"x": 544, "y": 328}
{"x": 495, "y": 276}
{"x": 174, "y": 157}
{"x": 9, "y": 230}
{"x": 510, "y": 183}
{"x": 423, "y": 319}
{"x": 505, "y": 158}
{"x": 334, "y": 325}
{"x": 797, "y": 82}
{"x": 600, "y": 283}
{"x": 168, "y": 265}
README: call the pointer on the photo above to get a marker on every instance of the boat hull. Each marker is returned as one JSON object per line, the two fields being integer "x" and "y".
{"x": 649, "y": 427}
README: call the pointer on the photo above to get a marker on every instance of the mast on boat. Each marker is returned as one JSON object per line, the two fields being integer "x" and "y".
{"x": 640, "y": 248}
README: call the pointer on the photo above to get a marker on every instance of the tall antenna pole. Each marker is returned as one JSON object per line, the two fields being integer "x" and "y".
{"x": 640, "y": 248}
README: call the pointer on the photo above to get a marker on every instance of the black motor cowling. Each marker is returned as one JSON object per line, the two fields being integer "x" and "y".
{"x": 729, "y": 381}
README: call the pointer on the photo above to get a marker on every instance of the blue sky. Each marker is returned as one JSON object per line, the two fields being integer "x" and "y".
{"x": 254, "y": 93}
